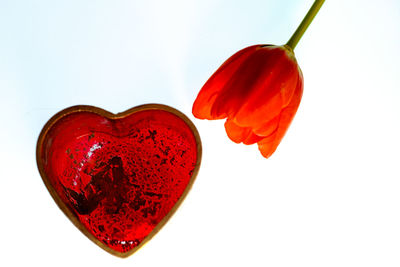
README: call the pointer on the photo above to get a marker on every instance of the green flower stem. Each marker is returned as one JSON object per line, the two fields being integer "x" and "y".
{"x": 305, "y": 23}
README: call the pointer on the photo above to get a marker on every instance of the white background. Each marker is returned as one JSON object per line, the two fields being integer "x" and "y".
{"x": 329, "y": 196}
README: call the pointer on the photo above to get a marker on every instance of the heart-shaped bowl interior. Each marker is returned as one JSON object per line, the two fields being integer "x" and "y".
{"x": 119, "y": 177}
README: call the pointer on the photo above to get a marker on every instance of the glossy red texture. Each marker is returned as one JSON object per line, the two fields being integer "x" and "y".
{"x": 119, "y": 177}
{"x": 258, "y": 90}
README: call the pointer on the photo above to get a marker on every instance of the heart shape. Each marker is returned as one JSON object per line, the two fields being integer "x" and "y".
{"x": 119, "y": 177}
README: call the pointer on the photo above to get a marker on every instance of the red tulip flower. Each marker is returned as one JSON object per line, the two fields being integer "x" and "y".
{"x": 258, "y": 90}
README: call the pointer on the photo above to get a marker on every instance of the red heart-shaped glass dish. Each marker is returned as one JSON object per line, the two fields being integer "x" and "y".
{"x": 119, "y": 177}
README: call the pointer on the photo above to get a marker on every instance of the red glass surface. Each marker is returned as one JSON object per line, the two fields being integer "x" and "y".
{"x": 120, "y": 177}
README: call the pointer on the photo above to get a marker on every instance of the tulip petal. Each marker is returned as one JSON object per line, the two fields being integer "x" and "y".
{"x": 244, "y": 82}
{"x": 273, "y": 91}
{"x": 234, "y": 132}
{"x": 268, "y": 128}
{"x": 209, "y": 92}
{"x": 239, "y": 134}
{"x": 268, "y": 145}
{"x": 252, "y": 139}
